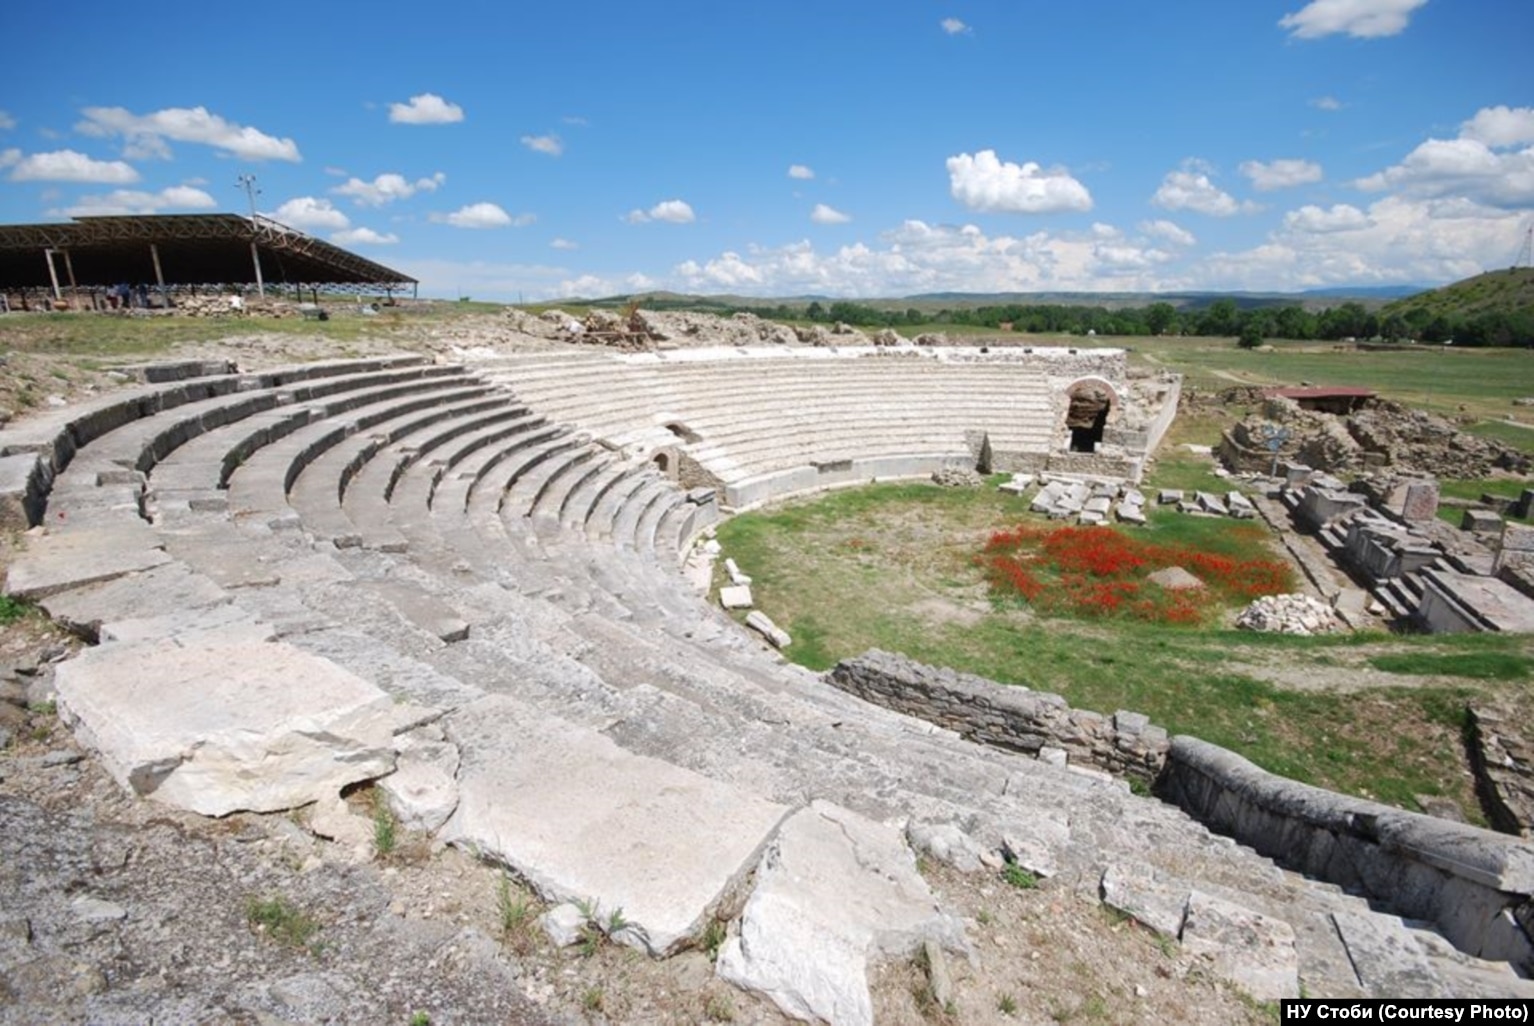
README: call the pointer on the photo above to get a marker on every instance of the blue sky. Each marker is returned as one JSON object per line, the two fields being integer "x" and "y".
{"x": 855, "y": 148}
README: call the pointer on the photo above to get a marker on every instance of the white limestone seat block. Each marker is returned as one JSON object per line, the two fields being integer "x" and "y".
{"x": 835, "y": 891}
{"x": 67, "y": 559}
{"x": 217, "y": 724}
{"x": 583, "y": 820}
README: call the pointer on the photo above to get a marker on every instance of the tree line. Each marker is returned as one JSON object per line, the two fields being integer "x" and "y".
{"x": 1221, "y": 318}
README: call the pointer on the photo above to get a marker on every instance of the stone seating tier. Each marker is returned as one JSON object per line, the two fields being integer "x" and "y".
{"x": 574, "y": 682}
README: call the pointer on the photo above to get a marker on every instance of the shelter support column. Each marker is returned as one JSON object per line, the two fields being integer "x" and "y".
{"x": 159, "y": 276}
{"x": 69, "y": 268}
{"x": 255, "y": 258}
{"x": 53, "y": 273}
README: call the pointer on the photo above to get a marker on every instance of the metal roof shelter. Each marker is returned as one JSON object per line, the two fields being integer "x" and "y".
{"x": 182, "y": 250}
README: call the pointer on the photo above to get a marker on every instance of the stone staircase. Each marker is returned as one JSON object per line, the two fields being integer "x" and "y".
{"x": 495, "y": 605}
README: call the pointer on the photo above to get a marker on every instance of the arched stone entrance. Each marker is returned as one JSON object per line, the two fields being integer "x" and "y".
{"x": 1090, "y": 402}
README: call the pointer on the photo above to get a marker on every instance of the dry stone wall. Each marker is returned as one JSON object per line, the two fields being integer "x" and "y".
{"x": 1005, "y": 716}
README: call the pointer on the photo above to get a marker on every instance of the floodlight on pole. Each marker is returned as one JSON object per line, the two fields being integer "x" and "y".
{"x": 248, "y": 183}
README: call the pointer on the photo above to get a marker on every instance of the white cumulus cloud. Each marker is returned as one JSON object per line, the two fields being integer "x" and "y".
{"x": 1362, "y": 19}
{"x": 1500, "y": 127}
{"x": 145, "y": 135}
{"x": 71, "y": 166}
{"x": 387, "y": 188}
{"x": 564, "y": 244}
{"x": 1341, "y": 217}
{"x": 1191, "y": 188}
{"x": 425, "y": 109}
{"x": 9, "y": 157}
{"x": 132, "y": 201}
{"x": 364, "y": 237}
{"x": 985, "y": 183}
{"x": 1168, "y": 231}
{"x": 1463, "y": 167}
{"x": 1281, "y": 174}
{"x": 800, "y": 172}
{"x": 1326, "y": 103}
{"x": 551, "y": 145}
{"x": 955, "y": 27}
{"x": 6, "y": 121}
{"x": 483, "y": 215}
{"x": 311, "y": 212}
{"x": 823, "y": 214}
{"x": 673, "y": 211}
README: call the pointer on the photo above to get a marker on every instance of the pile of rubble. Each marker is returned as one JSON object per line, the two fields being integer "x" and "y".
{"x": 1382, "y": 434}
{"x": 1086, "y": 500}
{"x": 1231, "y": 504}
{"x": 234, "y": 306}
{"x": 956, "y": 477}
{"x": 1288, "y": 614}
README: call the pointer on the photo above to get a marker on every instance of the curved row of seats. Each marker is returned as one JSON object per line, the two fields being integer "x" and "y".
{"x": 747, "y": 417}
{"x": 440, "y": 538}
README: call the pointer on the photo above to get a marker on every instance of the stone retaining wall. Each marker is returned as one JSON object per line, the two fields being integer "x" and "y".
{"x": 1004, "y": 716}
{"x": 1503, "y": 761}
{"x": 1475, "y": 885}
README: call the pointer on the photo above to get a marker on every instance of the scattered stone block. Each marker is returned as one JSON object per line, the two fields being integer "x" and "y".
{"x": 221, "y": 726}
{"x": 1212, "y": 503}
{"x": 833, "y": 892}
{"x": 736, "y": 577}
{"x": 947, "y": 843}
{"x": 1480, "y": 521}
{"x": 763, "y": 625}
{"x": 1129, "y": 514}
{"x": 736, "y": 596}
{"x": 423, "y": 789}
{"x": 1019, "y": 484}
{"x": 564, "y": 924}
{"x": 1099, "y": 505}
{"x": 1169, "y": 497}
{"x": 1174, "y": 578}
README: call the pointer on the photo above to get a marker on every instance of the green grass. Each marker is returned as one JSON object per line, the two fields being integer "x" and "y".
{"x": 890, "y": 567}
{"x": 12, "y": 609}
{"x": 283, "y": 922}
{"x": 1508, "y": 666}
{"x": 1472, "y": 489}
{"x": 1514, "y": 435}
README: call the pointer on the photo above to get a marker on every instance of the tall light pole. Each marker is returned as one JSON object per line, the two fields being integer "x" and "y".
{"x": 248, "y": 183}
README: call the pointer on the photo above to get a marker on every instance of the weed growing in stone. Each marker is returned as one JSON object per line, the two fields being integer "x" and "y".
{"x": 420, "y": 1019}
{"x": 517, "y": 913}
{"x": 1006, "y": 1004}
{"x": 1019, "y": 877}
{"x": 12, "y": 609}
{"x": 719, "y": 1008}
{"x": 712, "y": 939}
{"x": 384, "y": 827}
{"x": 283, "y": 922}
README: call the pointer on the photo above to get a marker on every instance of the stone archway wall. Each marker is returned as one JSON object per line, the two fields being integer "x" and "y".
{"x": 1090, "y": 404}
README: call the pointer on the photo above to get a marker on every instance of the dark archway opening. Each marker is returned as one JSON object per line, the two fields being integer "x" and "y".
{"x": 662, "y": 462}
{"x": 1087, "y": 416}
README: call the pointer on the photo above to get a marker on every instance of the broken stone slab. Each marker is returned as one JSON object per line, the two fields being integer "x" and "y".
{"x": 423, "y": 789}
{"x": 736, "y": 577}
{"x": 1251, "y": 950}
{"x": 219, "y": 726}
{"x": 1018, "y": 484}
{"x": 1386, "y": 957}
{"x": 1137, "y": 890}
{"x": 58, "y": 561}
{"x": 1129, "y": 514}
{"x": 1212, "y": 503}
{"x": 834, "y": 892}
{"x": 564, "y": 924}
{"x": 947, "y": 843}
{"x": 332, "y": 819}
{"x": 1088, "y": 516}
{"x": 1169, "y": 497}
{"x": 1100, "y": 504}
{"x": 583, "y": 820}
{"x": 736, "y": 596}
{"x": 763, "y": 625}
{"x": 171, "y": 589}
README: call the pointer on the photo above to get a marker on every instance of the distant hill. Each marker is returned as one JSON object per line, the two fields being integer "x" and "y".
{"x": 1315, "y": 299}
{"x": 1509, "y": 292}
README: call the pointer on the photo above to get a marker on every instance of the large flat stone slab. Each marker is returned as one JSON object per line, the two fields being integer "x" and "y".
{"x": 583, "y": 820}
{"x": 834, "y": 892}
{"x": 1386, "y": 957}
{"x": 1251, "y": 950}
{"x": 166, "y": 590}
{"x": 56, "y": 562}
{"x": 216, "y": 726}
